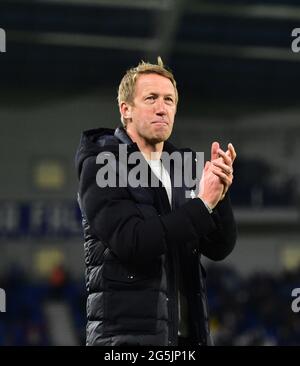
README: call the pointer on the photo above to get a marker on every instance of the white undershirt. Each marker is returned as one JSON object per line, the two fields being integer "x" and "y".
{"x": 163, "y": 175}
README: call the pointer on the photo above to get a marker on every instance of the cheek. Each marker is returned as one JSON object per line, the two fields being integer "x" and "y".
{"x": 172, "y": 115}
{"x": 144, "y": 117}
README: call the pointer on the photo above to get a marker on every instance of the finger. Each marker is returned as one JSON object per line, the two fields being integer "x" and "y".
{"x": 232, "y": 151}
{"x": 227, "y": 169}
{"x": 224, "y": 177}
{"x": 226, "y": 158}
{"x": 214, "y": 150}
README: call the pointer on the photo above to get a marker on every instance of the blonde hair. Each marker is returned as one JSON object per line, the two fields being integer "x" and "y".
{"x": 127, "y": 85}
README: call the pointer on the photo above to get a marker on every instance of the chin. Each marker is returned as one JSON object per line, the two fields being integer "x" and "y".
{"x": 159, "y": 138}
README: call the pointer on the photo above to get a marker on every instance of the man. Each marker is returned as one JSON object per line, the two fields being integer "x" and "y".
{"x": 145, "y": 282}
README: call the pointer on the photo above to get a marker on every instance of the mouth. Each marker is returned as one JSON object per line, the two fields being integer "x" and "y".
{"x": 160, "y": 123}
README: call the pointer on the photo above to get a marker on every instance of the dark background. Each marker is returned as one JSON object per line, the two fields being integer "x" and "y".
{"x": 238, "y": 81}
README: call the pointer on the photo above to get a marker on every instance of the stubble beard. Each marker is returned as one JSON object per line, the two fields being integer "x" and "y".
{"x": 162, "y": 137}
{"x": 157, "y": 137}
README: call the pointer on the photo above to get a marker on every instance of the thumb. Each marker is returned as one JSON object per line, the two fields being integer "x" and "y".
{"x": 205, "y": 169}
{"x": 214, "y": 150}
{"x": 207, "y": 164}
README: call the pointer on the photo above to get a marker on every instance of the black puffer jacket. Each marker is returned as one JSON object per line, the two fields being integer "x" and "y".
{"x": 138, "y": 251}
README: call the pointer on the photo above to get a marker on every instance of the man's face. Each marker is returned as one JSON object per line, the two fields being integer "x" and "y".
{"x": 153, "y": 110}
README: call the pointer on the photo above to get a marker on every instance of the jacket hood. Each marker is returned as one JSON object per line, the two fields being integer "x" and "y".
{"x": 89, "y": 146}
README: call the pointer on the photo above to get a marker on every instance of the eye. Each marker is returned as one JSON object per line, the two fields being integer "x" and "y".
{"x": 150, "y": 97}
{"x": 169, "y": 99}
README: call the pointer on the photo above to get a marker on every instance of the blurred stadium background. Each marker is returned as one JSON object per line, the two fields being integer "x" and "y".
{"x": 238, "y": 81}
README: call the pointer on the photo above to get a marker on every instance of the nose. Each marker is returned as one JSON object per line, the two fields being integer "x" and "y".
{"x": 160, "y": 108}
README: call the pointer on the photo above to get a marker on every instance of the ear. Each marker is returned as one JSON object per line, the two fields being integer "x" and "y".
{"x": 125, "y": 110}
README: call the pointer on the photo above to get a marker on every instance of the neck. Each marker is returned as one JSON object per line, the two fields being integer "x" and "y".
{"x": 151, "y": 152}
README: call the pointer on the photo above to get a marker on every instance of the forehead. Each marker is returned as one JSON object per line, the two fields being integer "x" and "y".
{"x": 153, "y": 83}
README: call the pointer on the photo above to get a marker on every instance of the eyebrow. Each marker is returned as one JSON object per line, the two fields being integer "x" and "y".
{"x": 165, "y": 95}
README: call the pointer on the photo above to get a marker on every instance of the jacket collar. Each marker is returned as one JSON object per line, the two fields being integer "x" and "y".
{"x": 121, "y": 134}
